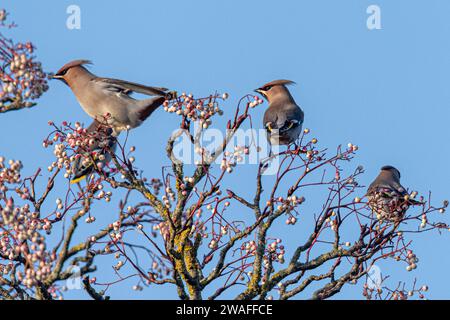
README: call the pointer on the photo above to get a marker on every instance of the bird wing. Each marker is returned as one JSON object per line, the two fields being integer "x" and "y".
{"x": 383, "y": 184}
{"x": 283, "y": 117}
{"x": 387, "y": 187}
{"x": 399, "y": 188}
{"x": 294, "y": 117}
{"x": 270, "y": 118}
{"x": 127, "y": 87}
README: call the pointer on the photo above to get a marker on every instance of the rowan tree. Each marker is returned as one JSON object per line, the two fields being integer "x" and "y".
{"x": 189, "y": 228}
{"x": 22, "y": 79}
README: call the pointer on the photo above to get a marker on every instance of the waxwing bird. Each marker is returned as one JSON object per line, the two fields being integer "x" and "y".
{"x": 110, "y": 100}
{"x": 387, "y": 197}
{"x": 95, "y": 155}
{"x": 283, "y": 119}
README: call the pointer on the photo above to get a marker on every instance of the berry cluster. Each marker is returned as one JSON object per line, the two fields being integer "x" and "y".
{"x": 22, "y": 235}
{"x": 77, "y": 145}
{"x": 23, "y": 80}
{"x": 192, "y": 109}
{"x": 388, "y": 205}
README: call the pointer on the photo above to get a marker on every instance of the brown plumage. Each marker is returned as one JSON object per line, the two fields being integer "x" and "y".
{"x": 100, "y": 97}
{"x": 108, "y": 101}
{"x": 280, "y": 82}
{"x": 283, "y": 119}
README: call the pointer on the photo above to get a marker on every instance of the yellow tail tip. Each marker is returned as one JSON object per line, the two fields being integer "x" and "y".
{"x": 76, "y": 180}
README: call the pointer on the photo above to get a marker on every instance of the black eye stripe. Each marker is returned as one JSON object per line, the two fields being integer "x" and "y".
{"x": 62, "y": 73}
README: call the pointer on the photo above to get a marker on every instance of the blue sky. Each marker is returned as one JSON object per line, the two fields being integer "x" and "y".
{"x": 386, "y": 90}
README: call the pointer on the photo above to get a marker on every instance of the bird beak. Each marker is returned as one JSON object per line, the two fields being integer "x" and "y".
{"x": 59, "y": 77}
{"x": 261, "y": 92}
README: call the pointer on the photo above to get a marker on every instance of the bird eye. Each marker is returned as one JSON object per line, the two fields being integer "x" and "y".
{"x": 62, "y": 73}
{"x": 267, "y": 88}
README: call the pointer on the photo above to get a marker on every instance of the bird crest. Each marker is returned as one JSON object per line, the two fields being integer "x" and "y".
{"x": 281, "y": 82}
{"x": 72, "y": 64}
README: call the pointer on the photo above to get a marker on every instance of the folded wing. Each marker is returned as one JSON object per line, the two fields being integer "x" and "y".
{"x": 127, "y": 87}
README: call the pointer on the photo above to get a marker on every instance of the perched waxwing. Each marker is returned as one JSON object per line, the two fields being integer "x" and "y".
{"x": 110, "y": 100}
{"x": 283, "y": 119}
{"x": 387, "y": 197}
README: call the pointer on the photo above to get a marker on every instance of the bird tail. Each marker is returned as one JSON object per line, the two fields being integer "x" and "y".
{"x": 81, "y": 171}
{"x": 147, "y": 106}
{"x": 78, "y": 179}
{"x": 84, "y": 163}
{"x": 414, "y": 202}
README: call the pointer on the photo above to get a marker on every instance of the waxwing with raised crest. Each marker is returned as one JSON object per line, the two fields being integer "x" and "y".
{"x": 283, "y": 119}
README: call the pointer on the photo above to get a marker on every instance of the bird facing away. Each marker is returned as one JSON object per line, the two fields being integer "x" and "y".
{"x": 100, "y": 97}
{"x": 99, "y": 151}
{"x": 387, "y": 197}
{"x": 283, "y": 119}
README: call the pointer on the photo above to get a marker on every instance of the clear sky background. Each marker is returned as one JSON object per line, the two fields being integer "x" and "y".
{"x": 386, "y": 90}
